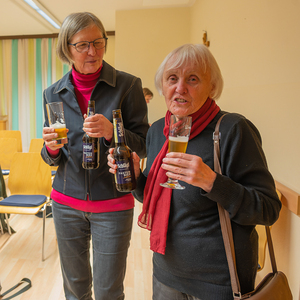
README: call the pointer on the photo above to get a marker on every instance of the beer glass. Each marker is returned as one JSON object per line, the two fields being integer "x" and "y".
{"x": 179, "y": 132}
{"x": 56, "y": 119}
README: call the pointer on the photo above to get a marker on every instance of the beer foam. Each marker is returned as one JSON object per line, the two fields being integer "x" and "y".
{"x": 180, "y": 139}
{"x": 58, "y": 125}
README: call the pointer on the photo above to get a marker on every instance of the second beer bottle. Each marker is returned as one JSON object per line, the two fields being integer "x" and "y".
{"x": 90, "y": 145}
{"x": 125, "y": 177}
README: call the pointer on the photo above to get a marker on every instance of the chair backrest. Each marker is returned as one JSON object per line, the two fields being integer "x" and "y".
{"x": 13, "y": 134}
{"x": 29, "y": 175}
{"x": 3, "y": 193}
{"x": 8, "y": 147}
{"x": 36, "y": 145}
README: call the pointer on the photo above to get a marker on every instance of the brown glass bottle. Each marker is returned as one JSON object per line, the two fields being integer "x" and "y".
{"x": 90, "y": 145}
{"x": 125, "y": 177}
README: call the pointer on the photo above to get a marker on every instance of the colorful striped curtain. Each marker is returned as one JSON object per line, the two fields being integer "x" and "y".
{"x": 27, "y": 67}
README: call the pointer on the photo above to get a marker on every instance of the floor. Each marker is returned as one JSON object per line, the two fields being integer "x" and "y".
{"x": 20, "y": 256}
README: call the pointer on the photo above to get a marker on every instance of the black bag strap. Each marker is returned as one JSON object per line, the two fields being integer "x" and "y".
{"x": 24, "y": 289}
{"x": 227, "y": 229}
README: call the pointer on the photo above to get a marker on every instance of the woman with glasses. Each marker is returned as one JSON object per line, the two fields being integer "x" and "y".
{"x": 86, "y": 205}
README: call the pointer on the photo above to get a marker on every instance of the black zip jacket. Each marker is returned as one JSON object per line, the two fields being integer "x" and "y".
{"x": 114, "y": 89}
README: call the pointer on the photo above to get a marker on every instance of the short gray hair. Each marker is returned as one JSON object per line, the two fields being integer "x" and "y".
{"x": 71, "y": 25}
{"x": 195, "y": 53}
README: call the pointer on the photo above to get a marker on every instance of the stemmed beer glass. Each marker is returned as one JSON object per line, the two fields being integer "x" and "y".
{"x": 179, "y": 132}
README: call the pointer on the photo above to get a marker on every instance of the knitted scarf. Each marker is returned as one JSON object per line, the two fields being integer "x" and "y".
{"x": 157, "y": 199}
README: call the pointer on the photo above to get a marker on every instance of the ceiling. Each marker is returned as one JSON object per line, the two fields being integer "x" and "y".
{"x": 18, "y": 18}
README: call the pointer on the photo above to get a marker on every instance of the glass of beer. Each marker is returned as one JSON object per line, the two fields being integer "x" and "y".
{"x": 179, "y": 132}
{"x": 56, "y": 119}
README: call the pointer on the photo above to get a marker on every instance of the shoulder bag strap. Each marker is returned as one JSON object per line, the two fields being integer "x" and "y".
{"x": 225, "y": 220}
{"x": 271, "y": 250}
{"x": 226, "y": 226}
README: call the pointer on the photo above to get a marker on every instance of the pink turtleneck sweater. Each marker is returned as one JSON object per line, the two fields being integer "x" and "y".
{"x": 84, "y": 85}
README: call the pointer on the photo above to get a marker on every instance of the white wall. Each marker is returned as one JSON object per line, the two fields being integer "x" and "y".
{"x": 109, "y": 56}
{"x": 257, "y": 46}
{"x": 142, "y": 44}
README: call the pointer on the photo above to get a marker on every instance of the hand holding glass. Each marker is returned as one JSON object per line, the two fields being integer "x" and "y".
{"x": 56, "y": 118}
{"x": 179, "y": 132}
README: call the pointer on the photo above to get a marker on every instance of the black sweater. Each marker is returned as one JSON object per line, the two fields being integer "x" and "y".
{"x": 195, "y": 261}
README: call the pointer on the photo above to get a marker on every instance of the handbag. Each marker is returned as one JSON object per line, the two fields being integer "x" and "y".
{"x": 275, "y": 285}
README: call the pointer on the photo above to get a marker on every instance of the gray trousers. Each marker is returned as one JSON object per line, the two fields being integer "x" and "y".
{"x": 163, "y": 292}
{"x": 110, "y": 234}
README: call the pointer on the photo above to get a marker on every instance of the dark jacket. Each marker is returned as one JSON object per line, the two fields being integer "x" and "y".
{"x": 195, "y": 261}
{"x": 114, "y": 89}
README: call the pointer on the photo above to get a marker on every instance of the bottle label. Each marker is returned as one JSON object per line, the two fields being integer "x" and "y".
{"x": 91, "y": 111}
{"x": 119, "y": 131}
{"x": 123, "y": 174}
{"x": 88, "y": 152}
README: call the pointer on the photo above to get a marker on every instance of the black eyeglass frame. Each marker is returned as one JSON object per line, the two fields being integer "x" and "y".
{"x": 92, "y": 42}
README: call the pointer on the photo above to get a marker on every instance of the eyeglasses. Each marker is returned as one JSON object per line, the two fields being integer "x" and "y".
{"x": 82, "y": 47}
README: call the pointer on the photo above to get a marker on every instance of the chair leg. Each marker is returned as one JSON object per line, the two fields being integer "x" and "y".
{"x": 50, "y": 205}
{"x": 1, "y": 227}
{"x": 43, "y": 244}
{"x": 7, "y": 223}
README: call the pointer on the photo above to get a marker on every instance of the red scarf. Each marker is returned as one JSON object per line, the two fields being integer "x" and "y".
{"x": 157, "y": 199}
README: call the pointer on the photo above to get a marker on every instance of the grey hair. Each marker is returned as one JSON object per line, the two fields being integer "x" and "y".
{"x": 71, "y": 25}
{"x": 195, "y": 53}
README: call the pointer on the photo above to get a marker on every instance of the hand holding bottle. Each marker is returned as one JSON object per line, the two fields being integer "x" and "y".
{"x": 124, "y": 176}
{"x": 90, "y": 145}
{"x": 113, "y": 166}
{"x": 98, "y": 126}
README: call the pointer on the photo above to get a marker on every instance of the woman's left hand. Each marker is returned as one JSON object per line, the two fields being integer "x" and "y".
{"x": 113, "y": 166}
{"x": 190, "y": 169}
{"x": 98, "y": 126}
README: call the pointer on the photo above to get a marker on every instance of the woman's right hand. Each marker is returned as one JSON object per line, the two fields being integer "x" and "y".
{"x": 113, "y": 166}
{"x": 48, "y": 136}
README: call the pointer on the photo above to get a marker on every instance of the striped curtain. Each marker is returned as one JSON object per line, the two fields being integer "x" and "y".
{"x": 27, "y": 67}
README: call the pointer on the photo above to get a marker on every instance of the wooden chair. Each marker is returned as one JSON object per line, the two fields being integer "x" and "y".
{"x": 36, "y": 145}
{"x": 2, "y": 196}
{"x": 13, "y": 134}
{"x": 262, "y": 242}
{"x": 8, "y": 147}
{"x": 29, "y": 183}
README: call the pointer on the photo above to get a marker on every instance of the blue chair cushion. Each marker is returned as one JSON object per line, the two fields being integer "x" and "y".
{"x": 5, "y": 172}
{"x": 23, "y": 200}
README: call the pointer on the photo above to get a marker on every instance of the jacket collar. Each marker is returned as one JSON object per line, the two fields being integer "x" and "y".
{"x": 107, "y": 75}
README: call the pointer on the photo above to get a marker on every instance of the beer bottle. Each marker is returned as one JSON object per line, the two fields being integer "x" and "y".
{"x": 90, "y": 145}
{"x": 125, "y": 177}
